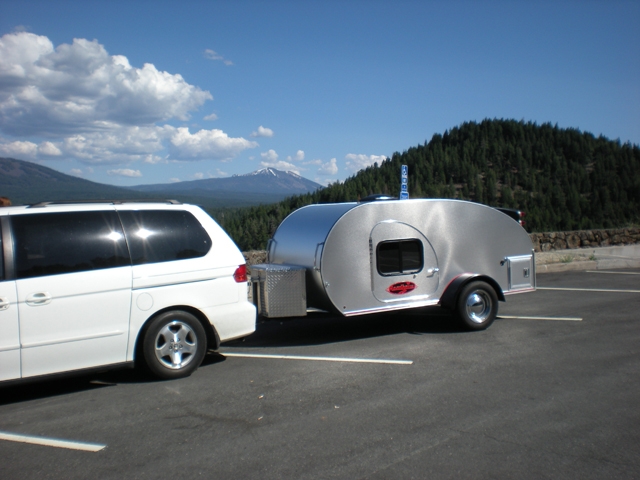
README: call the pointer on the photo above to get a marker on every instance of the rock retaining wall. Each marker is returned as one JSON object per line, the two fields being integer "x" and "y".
{"x": 542, "y": 242}
{"x": 549, "y": 241}
{"x": 254, "y": 257}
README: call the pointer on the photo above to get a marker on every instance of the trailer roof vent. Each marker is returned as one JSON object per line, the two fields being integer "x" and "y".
{"x": 377, "y": 197}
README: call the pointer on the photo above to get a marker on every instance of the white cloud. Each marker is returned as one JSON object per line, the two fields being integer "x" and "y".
{"x": 48, "y": 148}
{"x": 356, "y": 162}
{"x": 97, "y": 108}
{"x": 324, "y": 181}
{"x": 270, "y": 160}
{"x": 282, "y": 165}
{"x": 153, "y": 159}
{"x": 122, "y": 145}
{"x": 299, "y": 156}
{"x": 211, "y": 118}
{"x": 329, "y": 168}
{"x": 124, "y": 172}
{"x": 78, "y": 172}
{"x": 262, "y": 132}
{"x": 81, "y": 88}
{"x": 19, "y": 149}
{"x": 205, "y": 144}
{"x": 213, "y": 55}
{"x": 269, "y": 156}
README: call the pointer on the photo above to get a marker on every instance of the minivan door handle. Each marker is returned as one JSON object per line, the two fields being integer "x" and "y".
{"x": 38, "y": 299}
{"x": 4, "y": 304}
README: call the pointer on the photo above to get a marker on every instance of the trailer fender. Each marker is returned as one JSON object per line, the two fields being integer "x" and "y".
{"x": 450, "y": 295}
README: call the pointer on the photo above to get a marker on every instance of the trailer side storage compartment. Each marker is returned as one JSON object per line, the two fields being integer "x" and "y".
{"x": 521, "y": 272}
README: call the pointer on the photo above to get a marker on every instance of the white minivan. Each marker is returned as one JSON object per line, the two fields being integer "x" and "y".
{"x": 95, "y": 285}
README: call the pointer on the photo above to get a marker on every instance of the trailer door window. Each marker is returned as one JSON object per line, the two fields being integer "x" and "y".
{"x": 399, "y": 257}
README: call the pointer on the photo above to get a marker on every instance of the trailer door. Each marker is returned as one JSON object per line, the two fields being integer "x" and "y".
{"x": 404, "y": 266}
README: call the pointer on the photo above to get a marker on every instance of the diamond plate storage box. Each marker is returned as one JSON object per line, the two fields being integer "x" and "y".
{"x": 279, "y": 290}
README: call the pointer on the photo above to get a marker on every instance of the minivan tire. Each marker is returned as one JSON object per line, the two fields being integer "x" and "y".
{"x": 174, "y": 345}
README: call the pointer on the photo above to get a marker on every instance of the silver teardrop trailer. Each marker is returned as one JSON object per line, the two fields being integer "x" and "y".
{"x": 359, "y": 258}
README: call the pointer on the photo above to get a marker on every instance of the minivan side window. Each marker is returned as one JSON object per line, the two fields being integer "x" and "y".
{"x": 164, "y": 235}
{"x": 56, "y": 243}
{"x": 1, "y": 256}
{"x": 399, "y": 257}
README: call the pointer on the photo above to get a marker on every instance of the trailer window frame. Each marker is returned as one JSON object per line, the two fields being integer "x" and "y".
{"x": 399, "y": 257}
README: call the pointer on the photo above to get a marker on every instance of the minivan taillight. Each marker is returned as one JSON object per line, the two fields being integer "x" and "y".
{"x": 240, "y": 275}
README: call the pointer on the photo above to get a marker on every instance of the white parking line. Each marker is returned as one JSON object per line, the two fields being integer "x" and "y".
{"x": 318, "y": 359}
{"x": 588, "y": 290}
{"x": 612, "y": 272}
{"x": 51, "y": 442}
{"x": 566, "y": 319}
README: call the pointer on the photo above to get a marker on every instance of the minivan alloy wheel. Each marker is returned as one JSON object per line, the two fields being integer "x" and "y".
{"x": 174, "y": 344}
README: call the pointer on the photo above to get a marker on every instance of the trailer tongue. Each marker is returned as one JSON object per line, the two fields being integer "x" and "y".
{"x": 359, "y": 258}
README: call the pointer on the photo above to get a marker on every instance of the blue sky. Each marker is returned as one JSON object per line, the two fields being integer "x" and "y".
{"x": 133, "y": 92}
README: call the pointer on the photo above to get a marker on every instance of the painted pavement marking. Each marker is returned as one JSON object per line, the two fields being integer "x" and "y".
{"x": 566, "y": 319}
{"x": 605, "y": 290}
{"x": 318, "y": 359}
{"x": 52, "y": 442}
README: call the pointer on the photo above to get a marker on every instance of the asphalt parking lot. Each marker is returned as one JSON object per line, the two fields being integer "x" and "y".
{"x": 550, "y": 390}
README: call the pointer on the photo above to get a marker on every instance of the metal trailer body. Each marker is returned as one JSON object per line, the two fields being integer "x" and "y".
{"x": 345, "y": 249}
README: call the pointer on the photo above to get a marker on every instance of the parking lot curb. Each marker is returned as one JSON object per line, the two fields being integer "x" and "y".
{"x": 567, "y": 267}
{"x": 602, "y": 258}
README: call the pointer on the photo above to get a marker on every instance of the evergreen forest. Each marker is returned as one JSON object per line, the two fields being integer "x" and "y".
{"x": 563, "y": 179}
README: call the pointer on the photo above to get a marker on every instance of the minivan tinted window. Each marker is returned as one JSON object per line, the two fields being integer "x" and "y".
{"x": 164, "y": 235}
{"x": 55, "y": 243}
{"x": 1, "y": 256}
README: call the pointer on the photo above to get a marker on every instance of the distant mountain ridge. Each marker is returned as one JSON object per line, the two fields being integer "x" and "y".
{"x": 266, "y": 180}
{"x": 26, "y": 183}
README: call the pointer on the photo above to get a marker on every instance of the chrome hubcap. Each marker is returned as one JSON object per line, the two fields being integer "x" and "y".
{"x": 478, "y": 306}
{"x": 176, "y": 345}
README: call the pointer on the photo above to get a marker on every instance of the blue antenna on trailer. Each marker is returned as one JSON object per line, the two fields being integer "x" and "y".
{"x": 404, "y": 183}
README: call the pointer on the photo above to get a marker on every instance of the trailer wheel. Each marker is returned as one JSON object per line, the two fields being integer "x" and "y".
{"x": 174, "y": 345}
{"x": 477, "y": 306}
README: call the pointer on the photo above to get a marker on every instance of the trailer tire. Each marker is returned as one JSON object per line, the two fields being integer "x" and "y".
{"x": 174, "y": 345}
{"x": 477, "y": 306}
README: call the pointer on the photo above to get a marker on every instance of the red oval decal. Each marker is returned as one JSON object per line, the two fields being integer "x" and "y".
{"x": 401, "y": 288}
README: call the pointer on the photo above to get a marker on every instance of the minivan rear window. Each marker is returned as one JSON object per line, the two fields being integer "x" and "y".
{"x": 164, "y": 235}
{"x": 56, "y": 243}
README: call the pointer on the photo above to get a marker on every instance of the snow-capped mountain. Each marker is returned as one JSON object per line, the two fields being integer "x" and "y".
{"x": 266, "y": 180}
